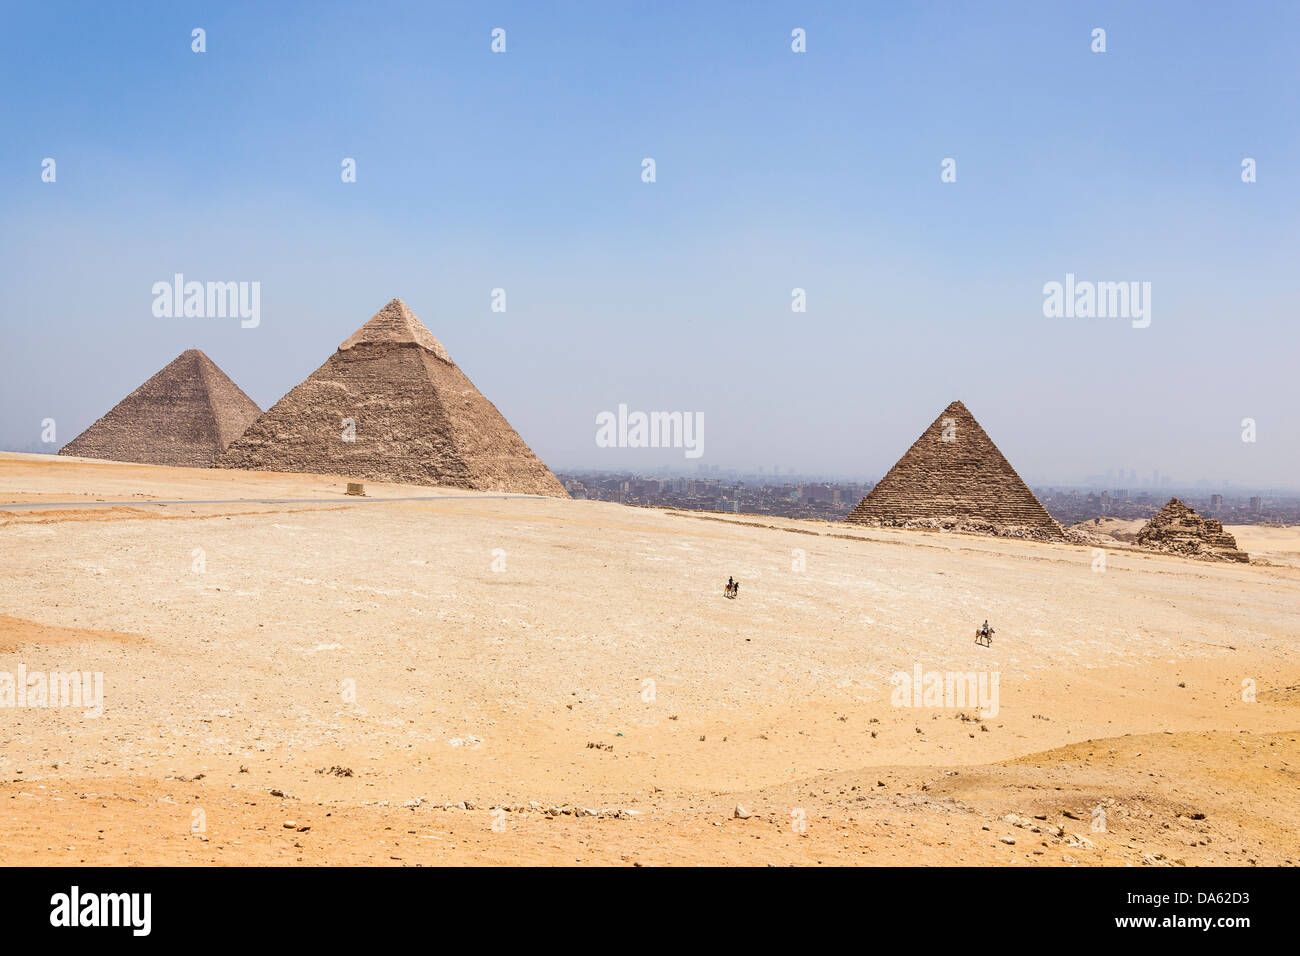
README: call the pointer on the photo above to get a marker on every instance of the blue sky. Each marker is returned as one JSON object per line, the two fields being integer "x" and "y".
{"x": 775, "y": 170}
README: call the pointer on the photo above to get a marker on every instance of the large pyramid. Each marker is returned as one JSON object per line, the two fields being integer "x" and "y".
{"x": 414, "y": 417}
{"x": 185, "y": 415}
{"x": 954, "y": 477}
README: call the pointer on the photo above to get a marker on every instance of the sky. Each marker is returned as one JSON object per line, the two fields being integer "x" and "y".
{"x": 775, "y": 170}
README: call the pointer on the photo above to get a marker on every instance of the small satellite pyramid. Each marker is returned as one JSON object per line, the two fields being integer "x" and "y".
{"x": 185, "y": 415}
{"x": 391, "y": 405}
{"x": 1178, "y": 529}
{"x": 954, "y": 477}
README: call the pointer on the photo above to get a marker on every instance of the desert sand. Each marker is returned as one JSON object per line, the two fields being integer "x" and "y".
{"x": 469, "y": 678}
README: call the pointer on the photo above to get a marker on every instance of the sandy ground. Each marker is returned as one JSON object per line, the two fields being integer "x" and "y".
{"x": 473, "y": 679}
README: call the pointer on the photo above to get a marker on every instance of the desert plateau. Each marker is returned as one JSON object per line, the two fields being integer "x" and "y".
{"x": 428, "y": 676}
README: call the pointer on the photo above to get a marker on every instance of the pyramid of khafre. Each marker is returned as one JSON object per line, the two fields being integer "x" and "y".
{"x": 955, "y": 478}
{"x": 391, "y": 405}
{"x": 1178, "y": 529}
{"x": 185, "y": 415}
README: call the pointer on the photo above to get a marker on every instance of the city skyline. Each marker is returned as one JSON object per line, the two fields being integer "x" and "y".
{"x": 831, "y": 500}
{"x": 1112, "y": 479}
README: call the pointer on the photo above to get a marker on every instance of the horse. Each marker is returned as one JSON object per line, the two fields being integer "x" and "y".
{"x": 984, "y": 636}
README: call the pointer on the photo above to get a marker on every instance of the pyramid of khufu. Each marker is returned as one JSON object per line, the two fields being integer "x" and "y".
{"x": 186, "y": 414}
{"x": 954, "y": 478}
{"x": 391, "y": 405}
{"x": 1178, "y": 529}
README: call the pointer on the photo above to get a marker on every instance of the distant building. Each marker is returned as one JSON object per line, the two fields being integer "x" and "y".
{"x": 1216, "y": 502}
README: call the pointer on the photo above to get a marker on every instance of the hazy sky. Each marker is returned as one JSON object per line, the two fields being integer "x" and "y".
{"x": 774, "y": 170}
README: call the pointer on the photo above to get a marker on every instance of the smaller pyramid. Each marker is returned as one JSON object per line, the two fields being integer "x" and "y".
{"x": 954, "y": 478}
{"x": 187, "y": 414}
{"x": 1178, "y": 529}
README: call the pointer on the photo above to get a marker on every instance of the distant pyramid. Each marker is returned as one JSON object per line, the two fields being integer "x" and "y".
{"x": 1178, "y": 529}
{"x": 954, "y": 477}
{"x": 185, "y": 415}
{"x": 415, "y": 417}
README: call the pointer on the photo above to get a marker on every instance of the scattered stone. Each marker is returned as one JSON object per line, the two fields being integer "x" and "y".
{"x": 1177, "y": 529}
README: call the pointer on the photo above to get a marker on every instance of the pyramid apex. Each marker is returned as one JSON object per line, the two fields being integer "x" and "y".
{"x": 395, "y": 324}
